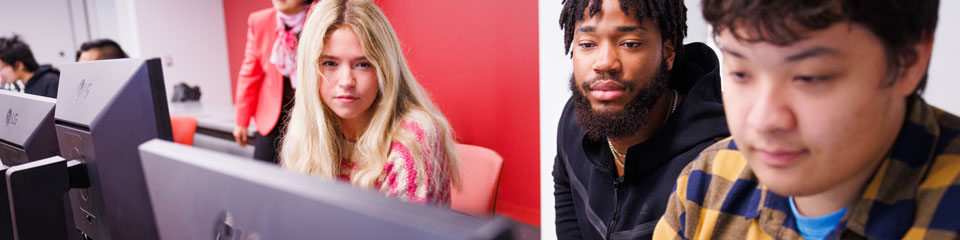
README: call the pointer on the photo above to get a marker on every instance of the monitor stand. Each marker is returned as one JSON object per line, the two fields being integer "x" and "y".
{"x": 37, "y": 193}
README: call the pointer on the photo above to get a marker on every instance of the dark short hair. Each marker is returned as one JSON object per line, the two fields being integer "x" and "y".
{"x": 12, "y": 51}
{"x": 108, "y": 49}
{"x": 899, "y": 24}
{"x": 669, "y": 15}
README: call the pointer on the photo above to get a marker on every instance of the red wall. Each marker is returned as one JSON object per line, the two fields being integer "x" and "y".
{"x": 479, "y": 61}
{"x": 235, "y": 13}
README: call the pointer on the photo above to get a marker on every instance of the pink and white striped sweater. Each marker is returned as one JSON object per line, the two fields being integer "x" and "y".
{"x": 400, "y": 178}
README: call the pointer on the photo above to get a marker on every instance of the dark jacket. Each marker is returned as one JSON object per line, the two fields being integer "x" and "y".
{"x": 44, "y": 82}
{"x": 592, "y": 202}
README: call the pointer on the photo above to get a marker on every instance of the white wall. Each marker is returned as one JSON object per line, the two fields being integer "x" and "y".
{"x": 52, "y": 28}
{"x": 944, "y": 80}
{"x": 190, "y": 38}
{"x": 555, "y": 70}
{"x": 188, "y": 35}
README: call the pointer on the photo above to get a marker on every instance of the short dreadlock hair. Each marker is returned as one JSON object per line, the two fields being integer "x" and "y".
{"x": 899, "y": 24}
{"x": 669, "y": 15}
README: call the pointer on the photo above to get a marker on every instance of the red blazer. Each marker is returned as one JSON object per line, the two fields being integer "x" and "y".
{"x": 260, "y": 84}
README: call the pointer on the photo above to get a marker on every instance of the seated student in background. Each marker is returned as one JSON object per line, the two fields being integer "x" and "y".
{"x": 830, "y": 135}
{"x": 360, "y": 116}
{"x": 17, "y": 64}
{"x": 643, "y": 106}
{"x": 100, "y": 49}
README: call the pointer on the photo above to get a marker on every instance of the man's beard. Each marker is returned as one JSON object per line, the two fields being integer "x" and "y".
{"x": 622, "y": 123}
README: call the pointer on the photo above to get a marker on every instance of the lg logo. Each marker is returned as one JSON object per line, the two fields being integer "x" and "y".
{"x": 83, "y": 90}
{"x": 12, "y": 117}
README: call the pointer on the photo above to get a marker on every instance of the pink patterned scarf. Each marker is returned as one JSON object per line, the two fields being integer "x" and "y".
{"x": 285, "y": 48}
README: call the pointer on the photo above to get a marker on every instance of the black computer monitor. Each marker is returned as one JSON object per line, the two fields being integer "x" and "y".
{"x": 105, "y": 109}
{"x": 26, "y": 134}
{"x": 202, "y": 194}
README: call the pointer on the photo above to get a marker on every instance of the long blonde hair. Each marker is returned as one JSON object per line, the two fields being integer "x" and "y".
{"x": 313, "y": 140}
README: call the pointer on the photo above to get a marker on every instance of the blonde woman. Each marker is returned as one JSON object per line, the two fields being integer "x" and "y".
{"x": 360, "y": 116}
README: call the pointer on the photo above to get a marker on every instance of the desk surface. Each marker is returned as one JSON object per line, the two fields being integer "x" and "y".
{"x": 214, "y": 116}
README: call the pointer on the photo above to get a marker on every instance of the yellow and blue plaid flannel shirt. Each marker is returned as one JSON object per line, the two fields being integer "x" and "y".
{"x": 915, "y": 194}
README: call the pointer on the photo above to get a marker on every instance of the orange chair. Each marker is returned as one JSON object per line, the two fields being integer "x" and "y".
{"x": 183, "y": 129}
{"x": 480, "y": 177}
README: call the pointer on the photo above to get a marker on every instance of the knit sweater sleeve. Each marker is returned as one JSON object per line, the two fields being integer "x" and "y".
{"x": 408, "y": 178}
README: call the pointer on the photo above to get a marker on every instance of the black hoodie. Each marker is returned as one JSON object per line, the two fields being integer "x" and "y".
{"x": 44, "y": 82}
{"x": 592, "y": 202}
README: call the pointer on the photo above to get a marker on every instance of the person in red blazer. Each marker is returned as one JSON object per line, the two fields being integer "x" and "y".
{"x": 265, "y": 83}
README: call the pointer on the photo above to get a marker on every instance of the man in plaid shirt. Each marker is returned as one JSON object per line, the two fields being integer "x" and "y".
{"x": 830, "y": 135}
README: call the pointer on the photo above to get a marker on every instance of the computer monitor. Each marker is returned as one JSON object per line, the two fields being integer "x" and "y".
{"x": 202, "y": 194}
{"x": 26, "y": 134}
{"x": 26, "y": 128}
{"x": 105, "y": 109}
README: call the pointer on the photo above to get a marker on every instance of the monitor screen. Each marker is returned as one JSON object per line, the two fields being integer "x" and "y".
{"x": 202, "y": 194}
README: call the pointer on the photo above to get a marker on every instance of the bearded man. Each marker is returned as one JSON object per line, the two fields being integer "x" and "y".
{"x": 643, "y": 106}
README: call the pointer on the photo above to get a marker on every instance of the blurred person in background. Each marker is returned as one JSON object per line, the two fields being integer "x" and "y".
{"x": 100, "y": 49}
{"x": 267, "y": 78}
{"x": 20, "y": 70}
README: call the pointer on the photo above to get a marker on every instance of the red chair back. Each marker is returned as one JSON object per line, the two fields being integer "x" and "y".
{"x": 480, "y": 170}
{"x": 184, "y": 127}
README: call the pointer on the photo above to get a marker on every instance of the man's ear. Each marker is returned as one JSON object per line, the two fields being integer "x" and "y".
{"x": 669, "y": 53}
{"x": 19, "y": 67}
{"x": 910, "y": 75}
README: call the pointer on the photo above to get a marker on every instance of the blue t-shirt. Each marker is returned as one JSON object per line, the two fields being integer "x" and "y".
{"x": 816, "y": 227}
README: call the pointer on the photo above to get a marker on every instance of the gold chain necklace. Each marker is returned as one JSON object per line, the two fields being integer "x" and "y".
{"x": 617, "y": 157}
{"x": 620, "y": 158}
{"x": 673, "y": 105}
